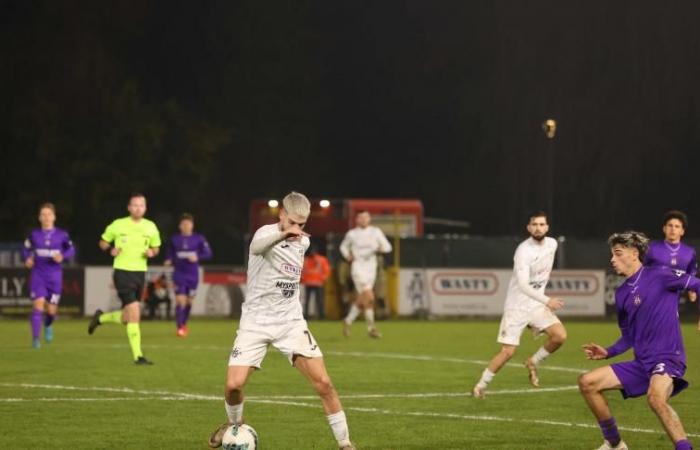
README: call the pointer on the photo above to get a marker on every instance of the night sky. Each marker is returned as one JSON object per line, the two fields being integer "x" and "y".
{"x": 205, "y": 105}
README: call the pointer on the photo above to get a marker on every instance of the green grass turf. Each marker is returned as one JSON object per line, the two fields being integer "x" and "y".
{"x": 54, "y": 418}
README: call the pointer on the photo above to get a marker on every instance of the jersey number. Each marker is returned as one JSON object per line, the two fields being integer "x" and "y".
{"x": 311, "y": 342}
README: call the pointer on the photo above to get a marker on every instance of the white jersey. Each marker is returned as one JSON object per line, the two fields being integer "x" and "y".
{"x": 363, "y": 244}
{"x": 532, "y": 267}
{"x": 272, "y": 292}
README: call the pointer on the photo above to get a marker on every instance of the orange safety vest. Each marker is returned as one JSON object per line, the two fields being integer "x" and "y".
{"x": 316, "y": 270}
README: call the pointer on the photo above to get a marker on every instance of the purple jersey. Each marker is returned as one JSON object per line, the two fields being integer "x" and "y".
{"x": 179, "y": 250}
{"x": 43, "y": 245}
{"x": 676, "y": 256}
{"x": 647, "y": 313}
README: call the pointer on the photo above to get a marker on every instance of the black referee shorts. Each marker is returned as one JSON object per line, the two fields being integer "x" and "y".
{"x": 129, "y": 285}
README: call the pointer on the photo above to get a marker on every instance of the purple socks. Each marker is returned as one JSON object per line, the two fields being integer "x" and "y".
{"x": 684, "y": 445}
{"x": 48, "y": 319}
{"x": 186, "y": 314}
{"x": 35, "y": 320}
{"x": 182, "y": 313}
{"x": 179, "y": 316}
{"x": 609, "y": 429}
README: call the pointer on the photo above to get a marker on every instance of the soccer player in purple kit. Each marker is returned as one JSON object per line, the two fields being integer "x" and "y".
{"x": 647, "y": 314}
{"x": 671, "y": 252}
{"x": 44, "y": 250}
{"x": 184, "y": 252}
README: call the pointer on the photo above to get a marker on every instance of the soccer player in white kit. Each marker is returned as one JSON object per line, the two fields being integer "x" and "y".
{"x": 527, "y": 305}
{"x": 272, "y": 314}
{"x": 360, "y": 247}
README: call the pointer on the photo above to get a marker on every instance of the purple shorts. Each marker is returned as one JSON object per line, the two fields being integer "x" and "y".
{"x": 635, "y": 375}
{"x": 185, "y": 285}
{"x": 48, "y": 288}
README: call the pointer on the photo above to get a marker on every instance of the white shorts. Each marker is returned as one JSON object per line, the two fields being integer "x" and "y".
{"x": 363, "y": 275}
{"x": 293, "y": 338}
{"x": 514, "y": 322}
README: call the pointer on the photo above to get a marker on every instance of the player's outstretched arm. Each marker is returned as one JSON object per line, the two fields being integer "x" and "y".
{"x": 261, "y": 244}
{"x": 594, "y": 351}
{"x": 619, "y": 347}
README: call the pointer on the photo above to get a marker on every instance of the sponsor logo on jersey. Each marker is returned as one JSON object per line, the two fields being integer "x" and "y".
{"x": 288, "y": 289}
{"x": 637, "y": 300}
{"x": 464, "y": 283}
{"x": 291, "y": 269}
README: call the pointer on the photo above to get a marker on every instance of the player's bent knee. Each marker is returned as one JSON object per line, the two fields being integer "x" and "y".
{"x": 656, "y": 401}
{"x": 324, "y": 386}
{"x": 587, "y": 383}
{"x": 508, "y": 352}
{"x": 233, "y": 390}
{"x": 559, "y": 338}
{"x": 234, "y": 385}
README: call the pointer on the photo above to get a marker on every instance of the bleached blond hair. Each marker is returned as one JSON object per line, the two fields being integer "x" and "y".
{"x": 297, "y": 204}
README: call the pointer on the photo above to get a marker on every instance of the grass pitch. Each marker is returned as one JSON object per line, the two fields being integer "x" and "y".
{"x": 409, "y": 390}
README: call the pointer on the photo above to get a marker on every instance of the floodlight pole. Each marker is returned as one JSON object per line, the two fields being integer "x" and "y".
{"x": 549, "y": 127}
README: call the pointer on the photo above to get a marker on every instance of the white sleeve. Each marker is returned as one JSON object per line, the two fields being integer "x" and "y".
{"x": 345, "y": 246}
{"x": 384, "y": 244}
{"x": 522, "y": 275}
{"x": 262, "y": 242}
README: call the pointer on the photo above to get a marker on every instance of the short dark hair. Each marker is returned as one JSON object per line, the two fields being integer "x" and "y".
{"x": 537, "y": 213}
{"x": 47, "y": 205}
{"x": 187, "y": 216}
{"x": 675, "y": 214}
{"x": 361, "y": 211}
{"x": 135, "y": 195}
{"x": 631, "y": 239}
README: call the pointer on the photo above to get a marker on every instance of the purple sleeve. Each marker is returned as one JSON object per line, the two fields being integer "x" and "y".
{"x": 619, "y": 347}
{"x": 204, "y": 250}
{"x": 677, "y": 280}
{"x": 169, "y": 250}
{"x": 692, "y": 265}
{"x": 27, "y": 248}
{"x": 68, "y": 248}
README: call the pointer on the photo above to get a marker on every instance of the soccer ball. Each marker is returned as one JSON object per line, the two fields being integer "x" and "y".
{"x": 241, "y": 437}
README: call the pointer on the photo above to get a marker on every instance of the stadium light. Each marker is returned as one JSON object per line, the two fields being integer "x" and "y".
{"x": 273, "y": 203}
{"x": 324, "y": 203}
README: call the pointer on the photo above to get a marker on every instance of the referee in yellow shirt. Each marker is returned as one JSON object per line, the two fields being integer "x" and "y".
{"x": 131, "y": 241}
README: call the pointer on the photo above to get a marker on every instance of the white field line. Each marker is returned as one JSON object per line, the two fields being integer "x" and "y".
{"x": 185, "y": 396}
{"x": 380, "y": 355}
{"x": 174, "y": 396}
{"x": 443, "y": 359}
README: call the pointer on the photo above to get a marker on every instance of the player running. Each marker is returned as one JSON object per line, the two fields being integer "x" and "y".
{"x": 526, "y": 304}
{"x": 360, "y": 248}
{"x": 272, "y": 314}
{"x": 131, "y": 240}
{"x": 647, "y": 314}
{"x": 184, "y": 251}
{"x": 44, "y": 250}
{"x": 671, "y": 252}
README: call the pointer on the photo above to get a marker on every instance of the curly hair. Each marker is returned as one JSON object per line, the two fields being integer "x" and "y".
{"x": 630, "y": 239}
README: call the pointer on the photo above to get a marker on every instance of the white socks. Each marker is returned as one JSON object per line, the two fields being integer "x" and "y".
{"x": 369, "y": 318}
{"x": 485, "y": 379}
{"x": 539, "y": 356}
{"x": 352, "y": 314}
{"x": 339, "y": 425}
{"x": 234, "y": 412}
